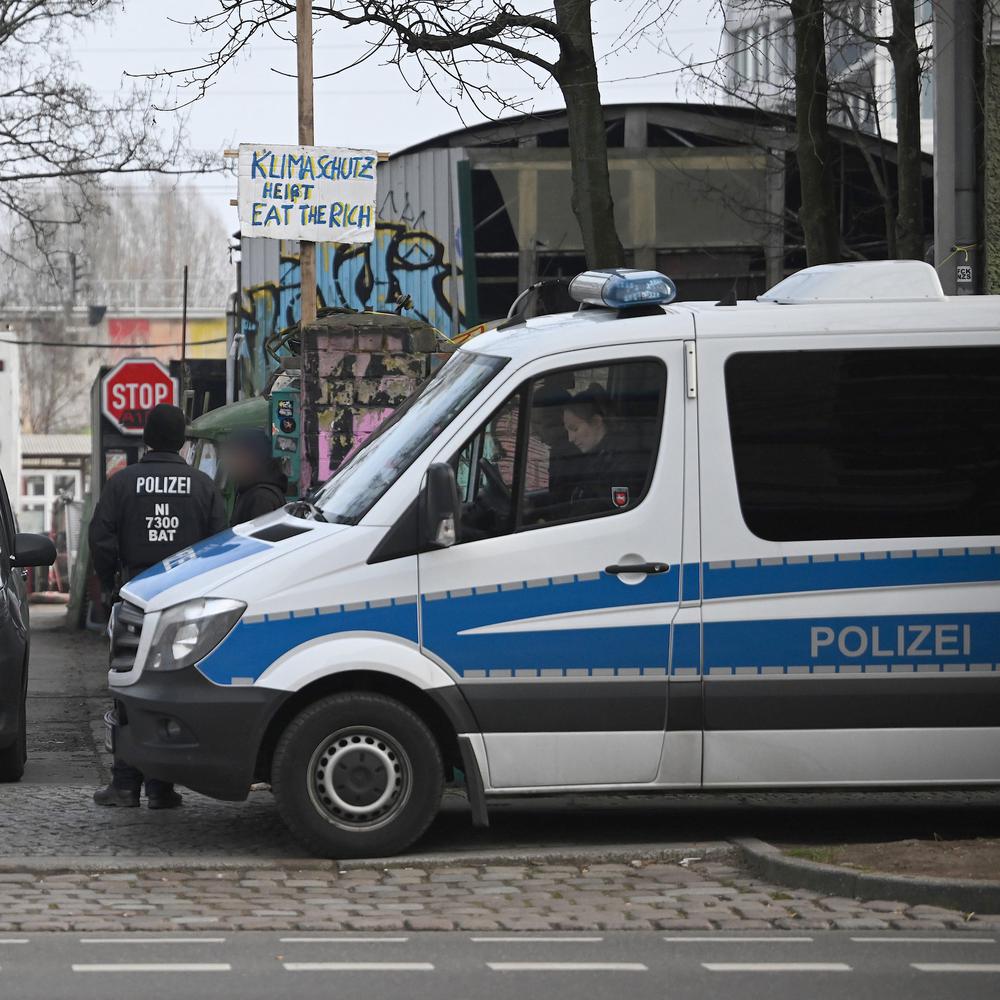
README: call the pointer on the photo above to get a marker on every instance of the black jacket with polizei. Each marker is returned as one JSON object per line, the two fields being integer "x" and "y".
{"x": 149, "y": 511}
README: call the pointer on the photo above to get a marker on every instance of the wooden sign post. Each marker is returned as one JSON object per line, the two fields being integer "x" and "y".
{"x": 304, "y": 62}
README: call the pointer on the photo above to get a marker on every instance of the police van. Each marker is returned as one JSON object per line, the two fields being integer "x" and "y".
{"x": 639, "y": 546}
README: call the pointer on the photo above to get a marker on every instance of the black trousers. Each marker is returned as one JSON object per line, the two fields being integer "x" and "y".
{"x": 130, "y": 779}
{"x": 123, "y": 775}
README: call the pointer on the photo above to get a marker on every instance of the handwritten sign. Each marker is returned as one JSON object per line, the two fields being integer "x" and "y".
{"x": 307, "y": 193}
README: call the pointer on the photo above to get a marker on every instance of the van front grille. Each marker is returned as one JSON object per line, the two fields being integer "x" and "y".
{"x": 125, "y": 637}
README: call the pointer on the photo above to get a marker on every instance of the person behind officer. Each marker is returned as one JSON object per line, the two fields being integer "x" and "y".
{"x": 259, "y": 480}
{"x": 612, "y": 470}
{"x": 147, "y": 512}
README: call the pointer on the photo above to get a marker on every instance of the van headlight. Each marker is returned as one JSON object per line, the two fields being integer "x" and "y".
{"x": 188, "y": 632}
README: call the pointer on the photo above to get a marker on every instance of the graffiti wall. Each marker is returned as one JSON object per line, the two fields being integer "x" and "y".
{"x": 408, "y": 269}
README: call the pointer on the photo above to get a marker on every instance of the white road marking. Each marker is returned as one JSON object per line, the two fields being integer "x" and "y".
{"x": 953, "y": 967}
{"x": 527, "y": 939}
{"x": 776, "y": 966}
{"x": 156, "y": 967}
{"x": 13, "y": 940}
{"x": 343, "y": 940}
{"x": 358, "y": 966}
{"x": 567, "y": 966}
{"x": 925, "y": 940}
{"x": 153, "y": 940}
{"x": 775, "y": 938}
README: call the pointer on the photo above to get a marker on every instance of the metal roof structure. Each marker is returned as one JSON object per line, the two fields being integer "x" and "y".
{"x": 54, "y": 445}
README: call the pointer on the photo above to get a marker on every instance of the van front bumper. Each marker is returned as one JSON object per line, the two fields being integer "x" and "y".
{"x": 178, "y": 726}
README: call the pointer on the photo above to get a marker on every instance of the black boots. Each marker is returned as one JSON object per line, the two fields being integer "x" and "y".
{"x": 164, "y": 800}
{"x": 112, "y": 796}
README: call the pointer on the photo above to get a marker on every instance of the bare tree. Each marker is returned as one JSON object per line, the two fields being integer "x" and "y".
{"x": 54, "y": 380}
{"x": 465, "y": 43}
{"x": 134, "y": 237}
{"x": 814, "y": 58}
{"x": 820, "y": 222}
{"x": 145, "y": 236}
{"x": 55, "y": 129}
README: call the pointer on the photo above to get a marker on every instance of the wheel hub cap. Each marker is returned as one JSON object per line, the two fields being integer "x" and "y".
{"x": 359, "y": 777}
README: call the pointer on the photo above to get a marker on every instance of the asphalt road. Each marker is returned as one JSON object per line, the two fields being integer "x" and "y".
{"x": 747, "y": 967}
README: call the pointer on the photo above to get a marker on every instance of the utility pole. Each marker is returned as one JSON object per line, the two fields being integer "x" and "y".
{"x": 307, "y": 249}
{"x": 957, "y": 175}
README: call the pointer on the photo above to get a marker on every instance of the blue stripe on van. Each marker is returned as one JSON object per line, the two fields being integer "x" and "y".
{"x": 202, "y": 557}
{"x": 253, "y": 646}
{"x": 446, "y": 616}
{"x": 875, "y": 644}
{"x": 620, "y": 651}
{"x": 852, "y": 571}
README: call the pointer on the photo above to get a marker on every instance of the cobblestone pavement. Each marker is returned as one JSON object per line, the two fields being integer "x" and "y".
{"x": 699, "y": 895}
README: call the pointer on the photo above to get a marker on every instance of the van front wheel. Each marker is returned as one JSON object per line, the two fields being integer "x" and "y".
{"x": 357, "y": 775}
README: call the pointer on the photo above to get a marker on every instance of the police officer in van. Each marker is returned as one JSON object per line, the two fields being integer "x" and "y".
{"x": 147, "y": 512}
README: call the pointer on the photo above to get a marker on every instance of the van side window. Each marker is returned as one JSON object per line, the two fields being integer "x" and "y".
{"x": 573, "y": 444}
{"x": 867, "y": 443}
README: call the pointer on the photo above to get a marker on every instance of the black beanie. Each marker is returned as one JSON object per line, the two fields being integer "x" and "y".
{"x": 165, "y": 428}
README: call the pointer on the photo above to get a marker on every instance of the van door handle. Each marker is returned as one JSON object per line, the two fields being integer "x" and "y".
{"x": 649, "y": 568}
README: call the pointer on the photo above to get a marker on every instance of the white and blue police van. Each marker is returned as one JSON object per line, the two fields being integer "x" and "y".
{"x": 639, "y": 546}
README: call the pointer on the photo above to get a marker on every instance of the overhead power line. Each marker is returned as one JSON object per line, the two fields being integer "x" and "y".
{"x": 73, "y": 343}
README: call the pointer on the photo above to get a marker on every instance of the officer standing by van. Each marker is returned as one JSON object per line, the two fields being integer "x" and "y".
{"x": 260, "y": 482}
{"x": 147, "y": 512}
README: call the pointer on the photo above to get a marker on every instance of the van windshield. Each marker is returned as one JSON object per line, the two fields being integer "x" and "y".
{"x": 355, "y": 487}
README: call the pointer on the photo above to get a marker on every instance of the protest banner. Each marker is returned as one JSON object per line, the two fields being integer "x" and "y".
{"x": 322, "y": 194}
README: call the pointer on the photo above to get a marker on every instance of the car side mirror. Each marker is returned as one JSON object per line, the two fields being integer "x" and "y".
{"x": 440, "y": 507}
{"x": 33, "y": 550}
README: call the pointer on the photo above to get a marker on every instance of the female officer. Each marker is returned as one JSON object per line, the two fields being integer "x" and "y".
{"x": 612, "y": 472}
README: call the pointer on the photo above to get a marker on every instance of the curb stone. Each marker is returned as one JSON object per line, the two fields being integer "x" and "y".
{"x": 770, "y": 863}
{"x": 714, "y": 851}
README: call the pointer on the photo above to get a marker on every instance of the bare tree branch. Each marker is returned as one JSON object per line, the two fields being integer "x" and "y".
{"x": 55, "y": 130}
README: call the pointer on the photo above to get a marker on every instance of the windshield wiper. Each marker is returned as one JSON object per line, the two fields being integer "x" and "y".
{"x": 306, "y": 510}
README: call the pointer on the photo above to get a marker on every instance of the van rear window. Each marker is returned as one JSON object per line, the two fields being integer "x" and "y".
{"x": 867, "y": 443}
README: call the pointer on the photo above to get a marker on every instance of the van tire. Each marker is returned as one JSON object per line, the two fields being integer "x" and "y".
{"x": 390, "y": 770}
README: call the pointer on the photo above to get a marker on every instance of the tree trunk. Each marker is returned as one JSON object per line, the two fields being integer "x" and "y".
{"x": 909, "y": 167}
{"x": 576, "y": 74}
{"x": 814, "y": 151}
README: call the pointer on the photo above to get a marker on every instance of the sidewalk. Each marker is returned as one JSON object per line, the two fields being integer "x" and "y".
{"x": 701, "y": 895}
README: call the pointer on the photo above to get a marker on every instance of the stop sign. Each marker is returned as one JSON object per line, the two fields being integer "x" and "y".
{"x": 132, "y": 388}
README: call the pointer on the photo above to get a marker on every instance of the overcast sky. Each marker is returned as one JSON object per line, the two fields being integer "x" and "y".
{"x": 369, "y": 106}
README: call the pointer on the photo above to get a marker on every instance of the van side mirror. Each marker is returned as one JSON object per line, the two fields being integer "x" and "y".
{"x": 440, "y": 507}
{"x": 33, "y": 550}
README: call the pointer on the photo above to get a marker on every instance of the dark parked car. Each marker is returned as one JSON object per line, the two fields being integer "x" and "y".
{"x": 16, "y": 552}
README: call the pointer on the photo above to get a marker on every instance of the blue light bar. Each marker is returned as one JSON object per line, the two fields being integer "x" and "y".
{"x": 619, "y": 288}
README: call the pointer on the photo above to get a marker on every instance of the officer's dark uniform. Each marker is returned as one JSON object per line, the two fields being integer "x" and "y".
{"x": 147, "y": 512}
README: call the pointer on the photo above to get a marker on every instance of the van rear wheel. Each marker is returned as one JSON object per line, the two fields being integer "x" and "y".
{"x": 357, "y": 775}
